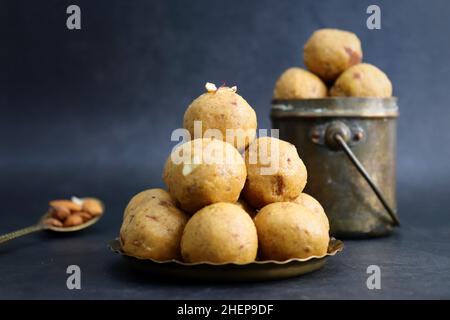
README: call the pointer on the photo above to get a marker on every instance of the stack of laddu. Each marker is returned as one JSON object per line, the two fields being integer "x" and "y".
{"x": 235, "y": 211}
{"x": 334, "y": 61}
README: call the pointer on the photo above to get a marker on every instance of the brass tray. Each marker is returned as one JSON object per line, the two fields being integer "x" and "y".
{"x": 206, "y": 271}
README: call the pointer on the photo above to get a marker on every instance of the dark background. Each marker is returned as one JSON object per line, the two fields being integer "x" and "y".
{"x": 90, "y": 112}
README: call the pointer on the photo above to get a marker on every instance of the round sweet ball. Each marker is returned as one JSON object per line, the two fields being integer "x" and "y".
{"x": 220, "y": 233}
{"x": 220, "y": 110}
{"x": 152, "y": 227}
{"x": 329, "y": 52}
{"x": 204, "y": 171}
{"x": 296, "y": 83}
{"x": 288, "y": 230}
{"x": 275, "y": 172}
{"x": 154, "y": 197}
{"x": 314, "y": 206}
{"x": 362, "y": 80}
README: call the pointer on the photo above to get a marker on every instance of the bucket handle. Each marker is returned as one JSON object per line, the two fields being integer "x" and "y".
{"x": 336, "y": 137}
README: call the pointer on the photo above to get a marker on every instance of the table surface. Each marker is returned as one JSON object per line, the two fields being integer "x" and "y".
{"x": 91, "y": 112}
{"x": 414, "y": 261}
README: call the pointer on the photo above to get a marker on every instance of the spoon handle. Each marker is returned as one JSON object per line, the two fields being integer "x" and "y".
{"x": 21, "y": 232}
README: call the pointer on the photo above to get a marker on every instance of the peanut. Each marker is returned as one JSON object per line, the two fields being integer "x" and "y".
{"x": 73, "y": 220}
{"x": 53, "y": 222}
{"x": 60, "y": 213}
{"x": 93, "y": 207}
{"x": 70, "y": 205}
{"x": 84, "y": 215}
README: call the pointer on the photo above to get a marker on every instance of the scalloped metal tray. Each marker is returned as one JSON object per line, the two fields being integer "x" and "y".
{"x": 207, "y": 271}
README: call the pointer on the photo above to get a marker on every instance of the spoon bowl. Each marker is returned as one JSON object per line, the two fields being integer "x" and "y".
{"x": 41, "y": 225}
{"x": 81, "y": 226}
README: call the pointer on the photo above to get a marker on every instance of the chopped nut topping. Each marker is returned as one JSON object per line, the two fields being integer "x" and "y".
{"x": 210, "y": 87}
{"x": 187, "y": 169}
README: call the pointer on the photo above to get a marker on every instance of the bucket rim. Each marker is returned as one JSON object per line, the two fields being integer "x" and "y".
{"x": 365, "y": 107}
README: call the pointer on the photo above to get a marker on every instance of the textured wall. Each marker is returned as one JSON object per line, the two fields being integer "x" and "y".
{"x": 97, "y": 106}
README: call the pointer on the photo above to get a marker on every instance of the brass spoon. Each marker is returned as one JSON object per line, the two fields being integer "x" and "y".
{"x": 43, "y": 226}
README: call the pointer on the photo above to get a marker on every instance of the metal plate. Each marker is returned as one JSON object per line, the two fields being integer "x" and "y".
{"x": 205, "y": 271}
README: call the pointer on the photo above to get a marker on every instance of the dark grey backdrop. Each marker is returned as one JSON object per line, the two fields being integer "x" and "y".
{"x": 90, "y": 112}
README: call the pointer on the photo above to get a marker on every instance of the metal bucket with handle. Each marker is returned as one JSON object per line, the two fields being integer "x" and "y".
{"x": 349, "y": 148}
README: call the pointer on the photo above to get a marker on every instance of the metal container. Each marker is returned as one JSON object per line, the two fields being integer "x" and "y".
{"x": 349, "y": 148}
